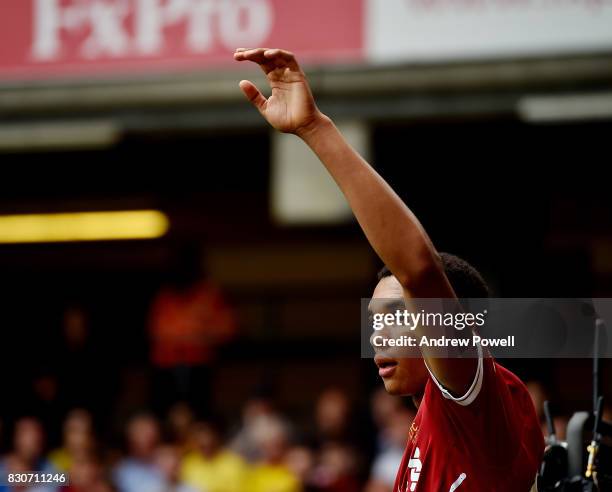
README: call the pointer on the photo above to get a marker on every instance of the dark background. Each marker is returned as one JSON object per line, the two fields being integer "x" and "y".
{"x": 527, "y": 204}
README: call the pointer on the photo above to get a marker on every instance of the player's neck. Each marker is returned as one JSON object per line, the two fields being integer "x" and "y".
{"x": 416, "y": 399}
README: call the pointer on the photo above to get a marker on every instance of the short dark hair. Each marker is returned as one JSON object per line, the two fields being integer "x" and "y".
{"x": 465, "y": 280}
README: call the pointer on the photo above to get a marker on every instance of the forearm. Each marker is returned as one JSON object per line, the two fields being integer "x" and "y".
{"x": 393, "y": 231}
{"x": 391, "y": 228}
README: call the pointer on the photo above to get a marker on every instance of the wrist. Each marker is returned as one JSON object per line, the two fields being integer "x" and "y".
{"x": 313, "y": 127}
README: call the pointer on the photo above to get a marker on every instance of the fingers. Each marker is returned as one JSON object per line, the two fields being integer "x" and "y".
{"x": 254, "y": 54}
{"x": 253, "y": 94}
{"x": 278, "y": 53}
{"x": 267, "y": 58}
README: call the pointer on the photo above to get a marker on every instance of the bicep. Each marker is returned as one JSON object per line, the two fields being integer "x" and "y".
{"x": 455, "y": 372}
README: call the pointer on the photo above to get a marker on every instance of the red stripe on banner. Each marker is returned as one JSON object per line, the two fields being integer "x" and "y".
{"x": 64, "y": 38}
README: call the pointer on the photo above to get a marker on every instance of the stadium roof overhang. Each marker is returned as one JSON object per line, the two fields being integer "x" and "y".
{"x": 212, "y": 100}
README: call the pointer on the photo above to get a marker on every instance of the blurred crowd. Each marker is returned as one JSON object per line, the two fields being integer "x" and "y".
{"x": 146, "y": 422}
{"x": 177, "y": 452}
{"x": 265, "y": 451}
{"x": 117, "y": 428}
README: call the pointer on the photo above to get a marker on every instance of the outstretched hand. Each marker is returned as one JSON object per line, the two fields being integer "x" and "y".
{"x": 291, "y": 107}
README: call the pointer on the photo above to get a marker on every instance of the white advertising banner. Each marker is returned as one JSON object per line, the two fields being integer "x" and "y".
{"x": 434, "y": 30}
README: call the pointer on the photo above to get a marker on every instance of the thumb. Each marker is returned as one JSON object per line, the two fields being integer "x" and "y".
{"x": 253, "y": 94}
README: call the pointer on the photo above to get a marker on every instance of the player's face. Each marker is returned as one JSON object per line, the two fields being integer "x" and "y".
{"x": 405, "y": 376}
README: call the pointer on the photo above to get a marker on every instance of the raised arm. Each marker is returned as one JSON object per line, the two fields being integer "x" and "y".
{"x": 391, "y": 228}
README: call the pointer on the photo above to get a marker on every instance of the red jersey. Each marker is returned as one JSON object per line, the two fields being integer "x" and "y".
{"x": 487, "y": 440}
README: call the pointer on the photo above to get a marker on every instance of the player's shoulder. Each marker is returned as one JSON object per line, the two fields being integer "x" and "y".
{"x": 493, "y": 385}
{"x": 512, "y": 392}
{"x": 507, "y": 377}
{"x": 526, "y": 422}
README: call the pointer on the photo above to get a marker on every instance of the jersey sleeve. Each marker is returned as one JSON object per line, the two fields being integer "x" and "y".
{"x": 474, "y": 389}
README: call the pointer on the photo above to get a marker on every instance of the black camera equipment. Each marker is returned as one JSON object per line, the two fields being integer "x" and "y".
{"x": 584, "y": 462}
